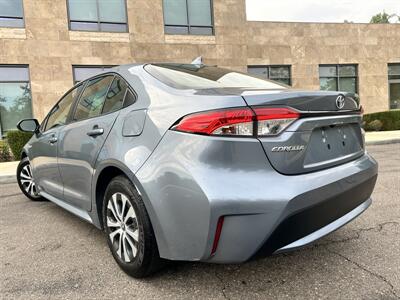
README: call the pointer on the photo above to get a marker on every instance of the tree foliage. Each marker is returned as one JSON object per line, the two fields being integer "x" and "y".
{"x": 384, "y": 18}
{"x": 16, "y": 140}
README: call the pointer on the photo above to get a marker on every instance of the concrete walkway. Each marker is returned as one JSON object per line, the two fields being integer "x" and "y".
{"x": 382, "y": 137}
{"x": 8, "y": 169}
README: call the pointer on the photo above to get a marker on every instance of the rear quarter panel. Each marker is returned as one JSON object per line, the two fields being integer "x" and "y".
{"x": 140, "y": 127}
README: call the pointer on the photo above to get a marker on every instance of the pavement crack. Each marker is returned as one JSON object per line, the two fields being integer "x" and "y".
{"x": 223, "y": 284}
{"x": 358, "y": 232}
{"x": 361, "y": 267}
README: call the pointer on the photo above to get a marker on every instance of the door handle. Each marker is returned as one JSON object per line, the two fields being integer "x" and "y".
{"x": 53, "y": 140}
{"x": 95, "y": 131}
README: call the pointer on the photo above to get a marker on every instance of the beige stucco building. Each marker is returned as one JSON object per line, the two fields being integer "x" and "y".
{"x": 50, "y": 49}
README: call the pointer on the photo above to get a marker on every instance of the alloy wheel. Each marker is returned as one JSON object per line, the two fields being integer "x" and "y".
{"x": 123, "y": 229}
{"x": 27, "y": 182}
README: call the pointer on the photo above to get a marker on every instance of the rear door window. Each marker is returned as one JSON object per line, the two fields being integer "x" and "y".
{"x": 92, "y": 100}
{"x": 115, "y": 96}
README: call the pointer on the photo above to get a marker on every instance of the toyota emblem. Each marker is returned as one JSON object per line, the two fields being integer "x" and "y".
{"x": 340, "y": 101}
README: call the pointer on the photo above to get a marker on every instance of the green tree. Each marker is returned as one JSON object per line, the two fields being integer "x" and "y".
{"x": 384, "y": 18}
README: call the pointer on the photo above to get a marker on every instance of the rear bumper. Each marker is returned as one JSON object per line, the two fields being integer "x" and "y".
{"x": 188, "y": 189}
{"x": 334, "y": 204}
{"x": 304, "y": 219}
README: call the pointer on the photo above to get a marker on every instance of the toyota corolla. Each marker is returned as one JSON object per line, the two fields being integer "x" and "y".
{"x": 199, "y": 163}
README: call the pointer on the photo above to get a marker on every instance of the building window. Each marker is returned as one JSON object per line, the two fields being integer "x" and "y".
{"x": 98, "y": 15}
{"x": 277, "y": 73}
{"x": 15, "y": 97}
{"x": 338, "y": 78}
{"x": 83, "y": 72}
{"x": 394, "y": 86}
{"x": 188, "y": 17}
{"x": 11, "y": 13}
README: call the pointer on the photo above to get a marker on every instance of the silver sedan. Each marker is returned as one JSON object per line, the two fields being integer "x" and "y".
{"x": 199, "y": 163}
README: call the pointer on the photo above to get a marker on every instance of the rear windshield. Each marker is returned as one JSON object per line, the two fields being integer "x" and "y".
{"x": 188, "y": 76}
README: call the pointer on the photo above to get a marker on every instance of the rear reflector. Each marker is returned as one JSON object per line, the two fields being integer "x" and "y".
{"x": 239, "y": 121}
{"x": 217, "y": 234}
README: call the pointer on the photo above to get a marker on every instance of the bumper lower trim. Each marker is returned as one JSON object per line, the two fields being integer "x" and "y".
{"x": 339, "y": 199}
{"x": 326, "y": 229}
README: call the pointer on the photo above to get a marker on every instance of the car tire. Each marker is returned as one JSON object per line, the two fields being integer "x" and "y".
{"x": 26, "y": 182}
{"x": 128, "y": 229}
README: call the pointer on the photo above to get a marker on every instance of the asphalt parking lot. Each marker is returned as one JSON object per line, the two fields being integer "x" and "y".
{"x": 48, "y": 253}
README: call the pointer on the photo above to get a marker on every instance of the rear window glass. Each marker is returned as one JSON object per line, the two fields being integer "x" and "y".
{"x": 188, "y": 76}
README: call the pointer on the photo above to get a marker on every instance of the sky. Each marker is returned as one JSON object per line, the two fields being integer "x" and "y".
{"x": 336, "y": 11}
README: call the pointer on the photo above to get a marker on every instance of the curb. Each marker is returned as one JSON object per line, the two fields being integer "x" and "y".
{"x": 8, "y": 179}
{"x": 383, "y": 142}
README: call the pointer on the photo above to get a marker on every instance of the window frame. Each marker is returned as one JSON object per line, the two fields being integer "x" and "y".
{"x": 392, "y": 80}
{"x": 337, "y": 77}
{"x": 17, "y": 81}
{"x": 16, "y": 18}
{"x": 389, "y": 75}
{"x": 188, "y": 25}
{"x": 98, "y": 22}
{"x": 268, "y": 67}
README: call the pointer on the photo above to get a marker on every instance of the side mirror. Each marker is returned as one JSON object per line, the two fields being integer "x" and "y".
{"x": 28, "y": 125}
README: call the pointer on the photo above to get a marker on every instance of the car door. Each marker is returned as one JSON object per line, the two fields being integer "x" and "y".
{"x": 82, "y": 139}
{"x": 43, "y": 148}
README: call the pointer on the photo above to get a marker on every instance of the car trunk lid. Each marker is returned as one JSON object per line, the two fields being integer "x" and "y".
{"x": 327, "y": 133}
{"x": 305, "y": 101}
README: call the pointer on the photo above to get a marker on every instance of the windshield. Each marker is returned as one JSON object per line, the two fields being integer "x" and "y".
{"x": 188, "y": 76}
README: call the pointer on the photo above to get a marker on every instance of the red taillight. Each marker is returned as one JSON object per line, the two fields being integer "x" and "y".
{"x": 239, "y": 121}
{"x": 217, "y": 234}
{"x": 220, "y": 122}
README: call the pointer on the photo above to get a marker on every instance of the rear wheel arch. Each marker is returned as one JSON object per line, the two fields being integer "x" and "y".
{"x": 125, "y": 214}
{"x": 108, "y": 170}
{"x": 23, "y": 155}
{"x": 103, "y": 179}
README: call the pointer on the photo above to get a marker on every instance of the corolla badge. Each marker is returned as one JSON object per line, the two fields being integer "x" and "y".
{"x": 288, "y": 148}
{"x": 340, "y": 101}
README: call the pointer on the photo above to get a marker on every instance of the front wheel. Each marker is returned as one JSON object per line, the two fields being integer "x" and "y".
{"x": 128, "y": 229}
{"x": 25, "y": 180}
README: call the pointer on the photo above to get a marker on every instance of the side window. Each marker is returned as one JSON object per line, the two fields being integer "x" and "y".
{"x": 130, "y": 98}
{"x": 59, "y": 114}
{"x": 115, "y": 95}
{"x": 91, "y": 102}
